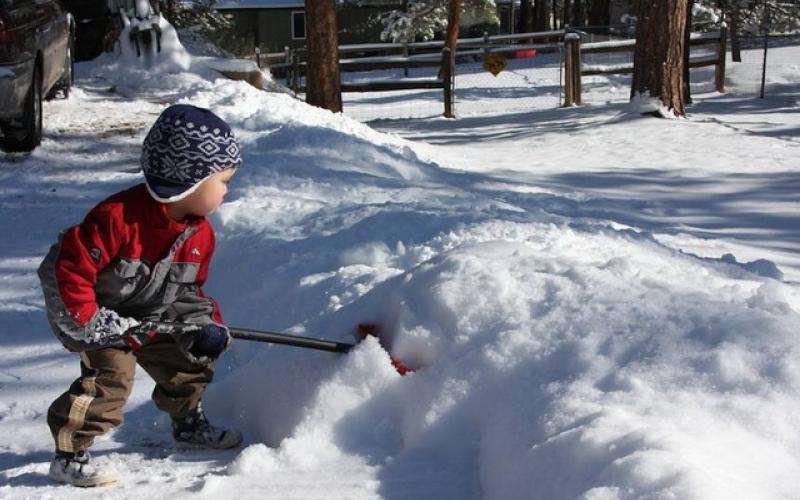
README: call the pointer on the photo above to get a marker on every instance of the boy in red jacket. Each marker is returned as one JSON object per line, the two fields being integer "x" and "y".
{"x": 141, "y": 256}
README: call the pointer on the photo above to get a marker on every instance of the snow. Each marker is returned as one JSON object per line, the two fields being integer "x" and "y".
{"x": 599, "y": 305}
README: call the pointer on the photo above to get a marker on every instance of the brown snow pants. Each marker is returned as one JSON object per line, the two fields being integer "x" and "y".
{"x": 93, "y": 404}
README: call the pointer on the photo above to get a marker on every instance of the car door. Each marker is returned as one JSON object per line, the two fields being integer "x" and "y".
{"x": 60, "y": 38}
{"x": 48, "y": 41}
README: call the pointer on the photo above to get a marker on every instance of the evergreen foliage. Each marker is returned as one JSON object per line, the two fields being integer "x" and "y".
{"x": 423, "y": 19}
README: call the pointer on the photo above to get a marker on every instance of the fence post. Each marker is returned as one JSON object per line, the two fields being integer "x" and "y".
{"x": 572, "y": 70}
{"x": 569, "y": 99}
{"x": 258, "y": 57}
{"x": 576, "y": 74}
{"x": 720, "y": 69}
{"x": 765, "y": 25}
{"x": 288, "y": 60}
{"x": 447, "y": 81}
{"x": 295, "y": 72}
{"x": 486, "y": 42}
{"x": 405, "y": 54}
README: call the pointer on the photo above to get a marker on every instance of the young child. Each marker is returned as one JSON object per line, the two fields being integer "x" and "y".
{"x": 141, "y": 256}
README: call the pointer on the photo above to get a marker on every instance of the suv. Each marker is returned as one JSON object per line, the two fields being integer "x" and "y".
{"x": 36, "y": 40}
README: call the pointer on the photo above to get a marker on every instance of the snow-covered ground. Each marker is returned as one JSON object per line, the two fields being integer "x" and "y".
{"x": 560, "y": 278}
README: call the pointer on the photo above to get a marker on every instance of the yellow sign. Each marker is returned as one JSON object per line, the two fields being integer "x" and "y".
{"x": 494, "y": 63}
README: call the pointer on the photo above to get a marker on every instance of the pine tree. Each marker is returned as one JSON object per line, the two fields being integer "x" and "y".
{"x": 424, "y": 19}
{"x": 750, "y": 18}
{"x": 659, "y": 57}
{"x": 541, "y": 15}
{"x": 199, "y": 15}
{"x": 600, "y": 13}
{"x": 323, "y": 84}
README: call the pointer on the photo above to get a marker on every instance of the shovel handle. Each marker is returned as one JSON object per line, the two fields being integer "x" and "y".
{"x": 287, "y": 339}
{"x": 260, "y": 336}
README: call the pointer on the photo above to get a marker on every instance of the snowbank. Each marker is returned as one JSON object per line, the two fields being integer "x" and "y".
{"x": 557, "y": 358}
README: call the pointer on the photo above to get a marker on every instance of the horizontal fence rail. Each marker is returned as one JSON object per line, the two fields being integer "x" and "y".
{"x": 385, "y": 56}
{"x": 575, "y": 70}
{"x": 368, "y": 57}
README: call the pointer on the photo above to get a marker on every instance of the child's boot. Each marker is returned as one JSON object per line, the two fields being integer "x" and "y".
{"x": 194, "y": 431}
{"x": 78, "y": 469}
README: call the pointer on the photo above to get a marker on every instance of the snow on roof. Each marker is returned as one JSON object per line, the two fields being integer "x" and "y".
{"x": 260, "y": 4}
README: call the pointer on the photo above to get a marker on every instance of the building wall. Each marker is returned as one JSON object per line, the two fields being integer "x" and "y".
{"x": 360, "y": 24}
{"x": 272, "y": 28}
{"x": 269, "y": 29}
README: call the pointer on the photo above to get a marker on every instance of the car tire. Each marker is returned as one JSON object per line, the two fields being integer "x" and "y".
{"x": 27, "y": 135}
{"x": 64, "y": 84}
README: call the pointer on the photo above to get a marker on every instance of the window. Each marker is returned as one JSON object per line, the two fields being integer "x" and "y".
{"x": 298, "y": 25}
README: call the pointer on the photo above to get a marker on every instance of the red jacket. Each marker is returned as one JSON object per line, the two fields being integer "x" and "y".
{"x": 128, "y": 256}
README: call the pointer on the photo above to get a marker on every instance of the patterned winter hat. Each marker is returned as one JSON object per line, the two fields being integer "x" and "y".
{"x": 185, "y": 146}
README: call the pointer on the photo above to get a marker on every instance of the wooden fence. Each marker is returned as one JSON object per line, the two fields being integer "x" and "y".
{"x": 574, "y": 70}
{"x": 291, "y": 65}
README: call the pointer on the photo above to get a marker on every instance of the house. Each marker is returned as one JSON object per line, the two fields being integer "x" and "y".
{"x": 273, "y": 25}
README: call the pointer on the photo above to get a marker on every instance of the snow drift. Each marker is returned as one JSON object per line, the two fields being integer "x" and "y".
{"x": 558, "y": 358}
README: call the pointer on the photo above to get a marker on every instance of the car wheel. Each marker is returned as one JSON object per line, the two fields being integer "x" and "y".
{"x": 27, "y": 135}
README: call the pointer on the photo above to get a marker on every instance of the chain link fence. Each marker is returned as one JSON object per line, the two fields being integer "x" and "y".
{"x": 496, "y": 74}
{"x": 771, "y": 58}
{"x": 396, "y": 104}
{"x": 528, "y": 81}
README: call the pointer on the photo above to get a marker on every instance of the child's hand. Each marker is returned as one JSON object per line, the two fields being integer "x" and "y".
{"x": 210, "y": 341}
{"x": 205, "y": 344}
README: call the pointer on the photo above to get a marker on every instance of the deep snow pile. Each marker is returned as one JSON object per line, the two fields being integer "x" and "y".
{"x": 558, "y": 356}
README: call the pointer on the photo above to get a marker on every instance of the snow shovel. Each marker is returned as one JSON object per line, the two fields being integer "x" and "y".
{"x": 364, "y": 330}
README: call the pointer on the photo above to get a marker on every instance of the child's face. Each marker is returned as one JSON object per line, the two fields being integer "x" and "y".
{"x": 210, "y": 194}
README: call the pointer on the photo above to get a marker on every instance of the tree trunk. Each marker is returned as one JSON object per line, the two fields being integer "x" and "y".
{"x": 578, "y": 14}
{"x": 659, "y": 55}
{"x": 736, "y": 47}
{"x": 600, "y": 13}
{"x": 451, "y": 38}
{"x": 565, "y": 20}
{"x": 541, "y": 16}
{"x": 323, "y": 85}
{"x": 687, "y": 32}
{"x": 556, "y": 18}
{"x": 524, "y": 21}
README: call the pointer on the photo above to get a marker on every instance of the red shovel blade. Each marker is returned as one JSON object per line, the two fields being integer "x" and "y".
{"x": 365, "y": 329}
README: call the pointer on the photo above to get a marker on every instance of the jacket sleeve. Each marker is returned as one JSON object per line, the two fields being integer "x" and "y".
{"x": 193, "y": 305}
{"x": 68, "y": 275}
{"x": 202, "y": 276}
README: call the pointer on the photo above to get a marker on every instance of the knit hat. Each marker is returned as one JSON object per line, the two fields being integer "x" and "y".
{"x": 185, "y": 146}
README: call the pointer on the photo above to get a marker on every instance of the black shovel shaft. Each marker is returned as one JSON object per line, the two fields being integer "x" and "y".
{"x": 293, "y": 340}
{"x": 271, "y": 337}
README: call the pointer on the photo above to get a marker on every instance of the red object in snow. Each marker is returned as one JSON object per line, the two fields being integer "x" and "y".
{"x": 523, "y": 54}
{"x": 365, "y": 329}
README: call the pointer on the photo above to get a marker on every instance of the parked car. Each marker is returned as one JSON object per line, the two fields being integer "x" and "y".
{"x": 36, "y": 41}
